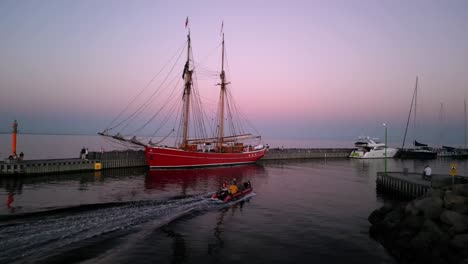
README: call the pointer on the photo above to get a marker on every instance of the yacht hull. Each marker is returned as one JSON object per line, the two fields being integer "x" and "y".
{"x": 417, "y": 154}
{"x": 373, "y": 154}
{"x": 162, "y": 157}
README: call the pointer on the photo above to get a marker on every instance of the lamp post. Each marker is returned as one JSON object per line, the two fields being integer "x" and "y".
{"x": 385, "y": 125}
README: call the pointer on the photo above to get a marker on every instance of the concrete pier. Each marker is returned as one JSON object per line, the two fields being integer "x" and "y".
{"x": 131, "y": 158}
{"x": 306, "y": 153}
{"x": 95, "y": 161}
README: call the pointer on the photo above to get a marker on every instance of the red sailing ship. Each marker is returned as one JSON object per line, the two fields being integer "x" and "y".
{"x": 221, "y": 148}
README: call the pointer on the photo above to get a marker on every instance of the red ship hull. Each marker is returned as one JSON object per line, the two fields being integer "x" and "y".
{"x": 161, "y": 157}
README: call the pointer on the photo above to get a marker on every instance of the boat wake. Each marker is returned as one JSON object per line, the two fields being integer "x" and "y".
{"x": 34, "y": 236}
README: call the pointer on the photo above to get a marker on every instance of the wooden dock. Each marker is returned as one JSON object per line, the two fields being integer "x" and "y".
{"x": 411, "y": 185}
{"x": 125, "y": 159}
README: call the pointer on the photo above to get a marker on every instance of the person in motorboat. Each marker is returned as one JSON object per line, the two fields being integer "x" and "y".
{"x": 223, "y": 193}
{"x": 233, "y": 189}
{"x": 427, "y": 173}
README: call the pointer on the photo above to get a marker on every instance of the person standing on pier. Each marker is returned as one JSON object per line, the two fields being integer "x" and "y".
{"x": 82, "y": 153}
{"x": 427, "y": 173}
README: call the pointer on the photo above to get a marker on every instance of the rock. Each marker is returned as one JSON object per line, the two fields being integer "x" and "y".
{"x": 447, "y": 192}
{"x": 435, "y": 193}
{"x": 376, "y": 216}
{"x": 458, "y": 221}
{"x": 404, "y": 237}
{"x": 421, "y": 203}
{"x": 437, "y": 234}
{"x": 438, "y": 201}
{"x": 461, "y": 208}
{"x": 410, "y": 209}
{"x": 460, "y": 189}
{"x": 422, "y": 240}
{"x": 451, "y": 200}
{"x": 440, "y": 181}
{"x": 431, "y": 207}
{"x": 460, "y": 241}
{"x": 413, "y": 222}
{"x": 432, "y": 229}
{"x": 388, "y": 206}
{"x": 392, "y": 218}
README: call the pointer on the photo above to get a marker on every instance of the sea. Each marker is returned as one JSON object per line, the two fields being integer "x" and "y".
{"x": 301, "y": 211}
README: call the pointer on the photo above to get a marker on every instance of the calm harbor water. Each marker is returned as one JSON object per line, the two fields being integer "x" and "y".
{"x": 303, "y": 212}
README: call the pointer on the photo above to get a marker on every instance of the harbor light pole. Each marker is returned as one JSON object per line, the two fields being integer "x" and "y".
{"x": 385, "y": 125}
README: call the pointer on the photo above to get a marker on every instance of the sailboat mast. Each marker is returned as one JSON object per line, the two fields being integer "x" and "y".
{"x": 441, "y": 123}
{"x": 409, "y": 115}
{"x": 465, "y": 122}
{"x": 187, "y": 75}
{"x": 415, "y": 111}
{"x": 222, "y": 96}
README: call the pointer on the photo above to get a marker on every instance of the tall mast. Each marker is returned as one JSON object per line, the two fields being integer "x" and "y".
{"x": 409, "y": 115}
{"x": 187, "y": 75}
{"x": 465, "y": 122}
{"x": 221, "y": 100}
{"x": 415, "y": 110}
{"x": 441, "y": 124}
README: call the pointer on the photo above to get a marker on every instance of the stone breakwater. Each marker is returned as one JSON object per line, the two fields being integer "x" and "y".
{"x": 430, "y": 229}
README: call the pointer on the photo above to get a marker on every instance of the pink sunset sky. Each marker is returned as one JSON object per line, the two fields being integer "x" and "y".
{"x": 299, "y": 69}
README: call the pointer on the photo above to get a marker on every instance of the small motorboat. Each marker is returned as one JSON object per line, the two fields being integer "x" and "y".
{"x": 225, "y": 196}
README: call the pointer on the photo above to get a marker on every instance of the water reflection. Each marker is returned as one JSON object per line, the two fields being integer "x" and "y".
{"x": 179, "y": 247}
{"x": 209, "y": 177}
{"x": 214, "y": 248}
{"x": 13, "y": 186}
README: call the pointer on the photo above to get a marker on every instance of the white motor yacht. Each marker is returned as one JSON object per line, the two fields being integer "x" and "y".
{"x": 367, "y": 148}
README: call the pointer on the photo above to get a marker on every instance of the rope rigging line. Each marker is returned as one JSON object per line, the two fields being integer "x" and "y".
{"x": 205, "y": 73}
{"x": 177, "y": 115}
{"x": 241, "y": 116}
{"x": 164, "y": 138}
{"x": 141, "y": 108}
{"x": 167, "y": 118}
{"x": 171, "y": 98}
{"x": 147, "y": 85}
{"x": 230, "y": 118}
{"x": 198, "y": 112}
{"x": 146, "y": 106}
{"x": 123, "y": 143}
